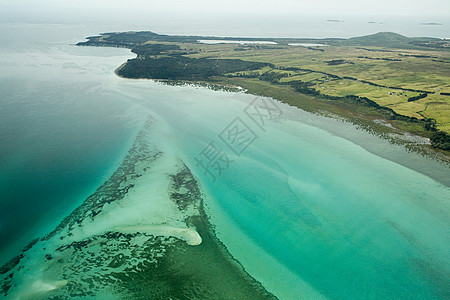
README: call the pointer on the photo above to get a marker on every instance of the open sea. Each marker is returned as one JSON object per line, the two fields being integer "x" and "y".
{"x": 334, "y": 210}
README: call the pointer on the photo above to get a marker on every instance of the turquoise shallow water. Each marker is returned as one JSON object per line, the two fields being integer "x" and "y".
{"x": 349, "y": 223}
{"x": 304, "y": 210}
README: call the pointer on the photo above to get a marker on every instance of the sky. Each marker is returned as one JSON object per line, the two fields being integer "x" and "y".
{"x": 321, "y": 7}
{"x": 240, "y": 18}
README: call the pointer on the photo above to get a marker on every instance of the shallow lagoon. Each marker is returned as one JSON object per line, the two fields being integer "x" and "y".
{"x": 338, "y": 220}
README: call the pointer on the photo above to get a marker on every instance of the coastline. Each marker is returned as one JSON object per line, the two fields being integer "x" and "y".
{"x": 375, "y": 124}
{"x": 398, "y": 99}
{"x": 117, "y": 70}
{"x": 397, "y": 128}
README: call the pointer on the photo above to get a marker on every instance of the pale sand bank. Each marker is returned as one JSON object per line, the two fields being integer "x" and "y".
{"x": 37, "y": 289}
{"x": 308, "y": 45}
{"x": 214, "y": 42}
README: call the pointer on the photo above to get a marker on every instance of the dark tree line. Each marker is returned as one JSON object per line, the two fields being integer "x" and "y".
{"x": 415, "y": 98}
{"x": 335, "y": 62}
{"x": 184, "y": 68}
{"x": 380, "y": 58}
{"x": 154, "y": 49}
{"x": 441, "y": 140}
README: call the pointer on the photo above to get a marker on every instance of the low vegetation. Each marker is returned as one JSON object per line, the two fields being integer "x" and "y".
{"x": 406, "y": 80}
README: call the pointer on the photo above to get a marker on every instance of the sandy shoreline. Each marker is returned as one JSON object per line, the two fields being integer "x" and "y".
{"x": 411, "y": 142}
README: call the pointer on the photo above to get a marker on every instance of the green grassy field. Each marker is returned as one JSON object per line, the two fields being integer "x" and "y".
{"x": 405, "y": 81}
{"x": 425, "y": 70}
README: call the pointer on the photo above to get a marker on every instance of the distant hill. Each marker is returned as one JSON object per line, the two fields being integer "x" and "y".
{"x": 380, "y": 39}
{"x": 387, "y": 39}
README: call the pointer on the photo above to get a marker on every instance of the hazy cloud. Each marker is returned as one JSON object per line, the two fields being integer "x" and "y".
{"x": 319, "y": 7}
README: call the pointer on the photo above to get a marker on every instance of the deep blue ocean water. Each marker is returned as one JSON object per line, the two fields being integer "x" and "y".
{"x": 62, "y": 132}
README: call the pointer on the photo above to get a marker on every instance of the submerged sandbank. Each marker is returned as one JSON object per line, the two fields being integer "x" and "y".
{"x": 189, "y": 235}
{"x": 142, "y": 234}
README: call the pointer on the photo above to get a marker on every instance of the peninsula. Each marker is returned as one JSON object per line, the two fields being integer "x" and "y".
{"x": 387, "y": 82}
